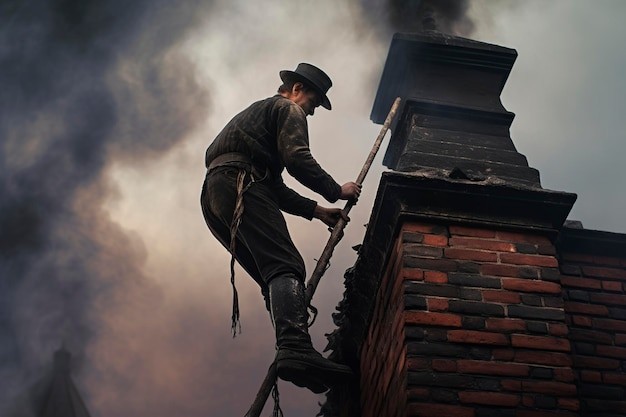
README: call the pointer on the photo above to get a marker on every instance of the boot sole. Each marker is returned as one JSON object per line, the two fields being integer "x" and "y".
{"x": 294, "y": 375}
{"x": 315, "y": 378}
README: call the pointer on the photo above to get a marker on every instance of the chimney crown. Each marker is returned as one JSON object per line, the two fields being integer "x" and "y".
{"x": 445, "y": 69}
{"x": 452, "y": 118}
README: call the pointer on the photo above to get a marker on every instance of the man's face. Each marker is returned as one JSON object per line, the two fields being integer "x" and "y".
{"x": 309, "y": 100}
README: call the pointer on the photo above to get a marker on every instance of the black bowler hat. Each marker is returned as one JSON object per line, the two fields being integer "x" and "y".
{"x": 311, "y": 76}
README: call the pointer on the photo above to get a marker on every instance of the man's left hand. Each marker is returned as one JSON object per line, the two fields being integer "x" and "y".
{"x": 330, "y": 216}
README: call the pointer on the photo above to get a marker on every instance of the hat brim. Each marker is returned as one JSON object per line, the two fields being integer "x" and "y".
{"x": 287, "y": 75}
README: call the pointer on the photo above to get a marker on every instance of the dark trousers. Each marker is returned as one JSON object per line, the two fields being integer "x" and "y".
{"x": 263, "y": 245}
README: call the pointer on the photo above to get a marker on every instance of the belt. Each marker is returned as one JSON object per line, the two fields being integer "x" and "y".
{"x": 231, "y": 158}
{"x": 239, "y": 160}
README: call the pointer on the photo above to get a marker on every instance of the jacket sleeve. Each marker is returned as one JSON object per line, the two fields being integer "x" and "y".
{"x": 293, "y": 149}
{"x": 291, "y": 202}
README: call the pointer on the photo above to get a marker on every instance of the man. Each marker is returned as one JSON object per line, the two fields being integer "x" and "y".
{"x": 242, "y": 199}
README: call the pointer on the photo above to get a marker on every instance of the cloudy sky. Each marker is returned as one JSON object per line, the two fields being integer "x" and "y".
{"x": 106, "y": 110}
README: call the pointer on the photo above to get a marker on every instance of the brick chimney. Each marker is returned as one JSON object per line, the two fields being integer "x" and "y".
{"x": 593, "y": 278}
{"x": 454, "y": 306}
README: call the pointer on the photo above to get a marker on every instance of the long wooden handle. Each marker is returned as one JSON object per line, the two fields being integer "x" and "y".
{"x": 264, "y": 392}
{"x": 337, "y": 233}
{"x": 322, "y": 264}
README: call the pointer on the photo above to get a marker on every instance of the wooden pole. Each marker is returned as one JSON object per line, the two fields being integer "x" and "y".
{"x": 337, "y": 233}
{"x": 322, "y": 264}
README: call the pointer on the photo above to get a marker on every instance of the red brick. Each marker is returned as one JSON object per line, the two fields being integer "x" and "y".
{"x": 420, "y": 250}
{"x": 546, "y": 249}
{"x": 437, "y": 304}
{"x": 503, "y": 354}
{"x": 523, "y": 238}
{"x": 612, "y": 286}
{"x": 588, "y": 335}
{"x": 476, "y": 337}
{"x": 558, "y": 329}
{"x": 471, "y": 255}
{"x": 501, "y": 270}
{"x": 511, "y": 385}
{"x": 567, "y": 281}
{"x": 593, "y": 336}
{"x": 549, "y": 387}
{"x": 435, "y": 276}
{"x": 412, "y": 274}
{"x": 581, "y": 321}
{"x": 500, "y": 296}
{"x": 493, "y": 245}
{"x": 609, "y": 324}
{"x": 614, "y": 378}
{"x": 593, "y": 362}
{"x": 505, "y": 324}
{"x": 431, "y": 264}
{"x": 611, "y": 351}
{"x": 492, "y": 368}
{"x": 471, "y": 231}
{"x": 591, "y": 376}
{"x": 543, "y": 358}
{"x": 540, "y": 342}
{"x": 531, "y": 285}
{"x": 418, "y": 393}
{"x": 432, "y": 319}
{"x": 528, "y": 400}
{"x": 531, "y": 413}
{"x": 417, "y": 364}
{"x": 444, "y": 365}
{"x": 577, "y": 257}
{"x": 571, "y": 404}
{"x": 564, "y": 374}
{"x": 606, "y": 260}
{"x": 430, "y": 410}
{"x": 593, "y": 271}
{"x": 489, "y": 398}
{"x": 523, "y": 259}
{"x": 435, "y": 240}
{"x": 585, "y": 308}
{"x": 615, "y": 299}
{"x": 423, "y": 228}
{"x": 620, "y": 339}
{"x": 614, "y": 406}
{"x": 506, "y": 354}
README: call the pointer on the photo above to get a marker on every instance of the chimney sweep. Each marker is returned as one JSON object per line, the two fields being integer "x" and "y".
{"x": 242, "y": 199}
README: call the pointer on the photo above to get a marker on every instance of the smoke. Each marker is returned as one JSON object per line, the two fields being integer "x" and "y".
{"x": 450, "y": 16}
{"x": 92, "y": 86}
{"x": 84, "y": 83}
{"x": 97, "y": 100}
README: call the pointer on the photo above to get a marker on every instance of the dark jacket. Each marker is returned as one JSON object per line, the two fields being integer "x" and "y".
{"x": 274, "y": 134}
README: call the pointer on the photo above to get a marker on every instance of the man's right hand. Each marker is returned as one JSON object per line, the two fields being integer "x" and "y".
{"x": 350, "y": 191}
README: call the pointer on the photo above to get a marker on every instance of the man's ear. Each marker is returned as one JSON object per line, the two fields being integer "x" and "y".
{"x": 297, "y": 87}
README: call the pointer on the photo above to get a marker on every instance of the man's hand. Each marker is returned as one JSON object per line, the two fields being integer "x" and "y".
{"x": 350, "y": 191}
{"x": 330, "y": 216}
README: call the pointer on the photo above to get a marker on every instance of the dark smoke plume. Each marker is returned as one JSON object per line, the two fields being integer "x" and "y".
{"x": 84, "y": 83}
{"x": 450, "y": 16}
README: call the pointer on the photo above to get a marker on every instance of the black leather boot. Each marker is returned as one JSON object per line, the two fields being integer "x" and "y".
{"x": 297, "y": 361}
